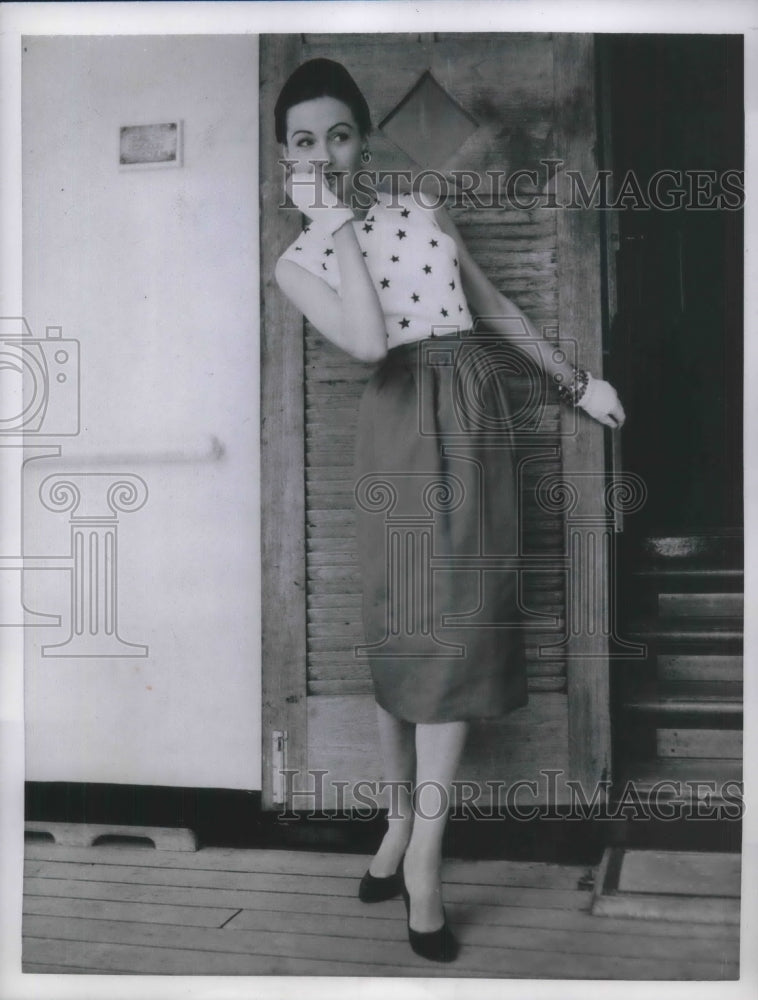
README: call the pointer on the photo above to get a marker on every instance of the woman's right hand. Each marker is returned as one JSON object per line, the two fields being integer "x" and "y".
{"x": 310, "y": 193}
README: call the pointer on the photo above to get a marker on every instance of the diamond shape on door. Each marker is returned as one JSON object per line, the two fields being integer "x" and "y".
{"x": 428, "y": 123}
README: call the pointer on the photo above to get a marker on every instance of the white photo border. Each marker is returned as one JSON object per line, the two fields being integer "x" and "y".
{"x": 180, "y": 18}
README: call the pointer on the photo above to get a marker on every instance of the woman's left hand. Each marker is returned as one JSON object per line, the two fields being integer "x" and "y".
{"x": 601, "y": 401}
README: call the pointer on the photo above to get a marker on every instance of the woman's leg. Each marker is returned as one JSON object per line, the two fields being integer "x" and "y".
{"x": 396, "y": 739}
{"x": 438, "y": 751}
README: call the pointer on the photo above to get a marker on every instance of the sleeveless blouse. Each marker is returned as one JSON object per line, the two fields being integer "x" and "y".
{"x": 412, "y": 262}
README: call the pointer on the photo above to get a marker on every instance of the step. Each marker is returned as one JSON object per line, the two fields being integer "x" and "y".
{"x": 688, "y": 698}
{"x": 716, "y": 549}
{"x": 699, "y": 634}
{"x": 668, "y": 885}
{"x": 699, "y": 744}
{"x": 689, "y": 576}
{"x": 703, "y": 605}
{"x": 682, "y": 779}
{"x": 699, "y": 667}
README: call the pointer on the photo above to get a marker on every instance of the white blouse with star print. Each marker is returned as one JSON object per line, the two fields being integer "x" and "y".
{"x": 412, "y": 263}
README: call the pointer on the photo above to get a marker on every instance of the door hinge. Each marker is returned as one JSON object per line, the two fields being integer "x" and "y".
{"x": 278, "y": 766}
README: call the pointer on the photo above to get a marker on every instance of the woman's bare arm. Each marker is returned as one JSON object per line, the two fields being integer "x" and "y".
{"x": 496, "y": 311}
{"x": 501, "y": 315}
{"x": 352, "y": 320}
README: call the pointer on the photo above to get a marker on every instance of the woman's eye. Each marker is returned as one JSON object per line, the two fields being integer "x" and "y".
{"x": 304, "y": 143}
{"x": 341, "y": 136}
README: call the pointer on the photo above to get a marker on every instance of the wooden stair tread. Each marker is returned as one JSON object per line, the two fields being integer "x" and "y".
{"x": 714, "y": 549}
{"x": 705, "y": 631}
{"x": 688, "y": 776}
{"x": 652, "y": 769}
{"x": 668, "y": 885}
{"x": 692, "y": 568}
{"x": 688, "y": 696}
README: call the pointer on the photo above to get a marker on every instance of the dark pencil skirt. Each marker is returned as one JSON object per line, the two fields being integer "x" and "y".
{"x": 437, "y": 529}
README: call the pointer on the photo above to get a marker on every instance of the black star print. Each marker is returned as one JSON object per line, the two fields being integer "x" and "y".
{"x": 405, "y": 213}
{"x": 367, "y": 228}
{"x": 444, "y": 312}
{"x": 427, "y": 269}
{"x": 328, "y": 251}
{"x": 298, "y": 248}
{"x": 324, "y": 266}
{"x": 455, "y": 261}
{"x": 370, "y": 218}
{"x": 452, "y": 284}
{"x": 364, "y": 253}
{"x": 415, "y": 297}
{"x": 306, "y": 229}
{"x": 394, "y": 259}
{"x": 385, "y": 282}
{"x": 405, "y": 322}
{"x": 400, "y": 234}
{"x": 433, "y": 243}
{"x": 460, "y": 309}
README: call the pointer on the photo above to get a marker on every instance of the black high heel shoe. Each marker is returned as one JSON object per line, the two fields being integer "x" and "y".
{"x": 436, "y": 946}
{"x": 376, "y": 890}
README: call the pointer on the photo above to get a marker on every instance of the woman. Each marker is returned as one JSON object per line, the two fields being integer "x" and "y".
{"x": 378, "y": 277}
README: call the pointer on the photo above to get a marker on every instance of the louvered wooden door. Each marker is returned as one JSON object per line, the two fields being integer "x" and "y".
{"x": 479, "y": 103}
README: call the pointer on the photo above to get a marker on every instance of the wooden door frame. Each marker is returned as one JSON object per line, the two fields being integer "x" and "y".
{"x": 283, "y": 608}
{"x": 284, "y": 718}
{"x": 580, "y": 319}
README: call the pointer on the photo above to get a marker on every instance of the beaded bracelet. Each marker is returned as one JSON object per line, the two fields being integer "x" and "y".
{"x": 573, "y": 392}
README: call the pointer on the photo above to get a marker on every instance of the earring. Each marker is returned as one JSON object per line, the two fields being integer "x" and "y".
{"x": 366, "y": 156}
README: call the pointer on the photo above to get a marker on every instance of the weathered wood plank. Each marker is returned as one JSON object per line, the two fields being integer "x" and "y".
{"x": 580, "y": 322}
{"x": 345, "y": 901}
{"x": 295, "y": 864}
{"x": 282, "y": 452}
{"x": 703, "y": 605}
{"x": 325, "y": 601}
{"x": 704, "y": 667}
{"x": 689, "y": 873}
{"x": 541, "y": 607}
{"x": 663, "y": 907}
{"x": 145, "y": 913}
{"x": 699, "y": 743}
{"x": 123, "y": 959}
{"x": 208, "y": 858}
{"x": 326, "y": 680}
{"x": 537, "y": 664}
{"x": 688, "y": 772}
{"x": 50, "y": 969}
{"x": 480, "y": 932}
{"x": 477, "y": 960}
{"x": 724, "y": 939}
{"x": 532, "y": 641}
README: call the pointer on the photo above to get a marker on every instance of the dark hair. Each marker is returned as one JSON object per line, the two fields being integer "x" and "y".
{"x": 320, "y": 78}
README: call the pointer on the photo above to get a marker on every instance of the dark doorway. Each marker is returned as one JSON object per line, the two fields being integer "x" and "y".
{"x": 674, "y": 103}
{"x": 675, "y": 346}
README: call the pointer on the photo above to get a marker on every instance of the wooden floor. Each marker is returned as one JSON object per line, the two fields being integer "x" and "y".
{"x": 120, "y": 909}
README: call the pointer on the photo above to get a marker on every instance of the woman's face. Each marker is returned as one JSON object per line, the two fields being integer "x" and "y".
{"x": 324, "y": 129}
